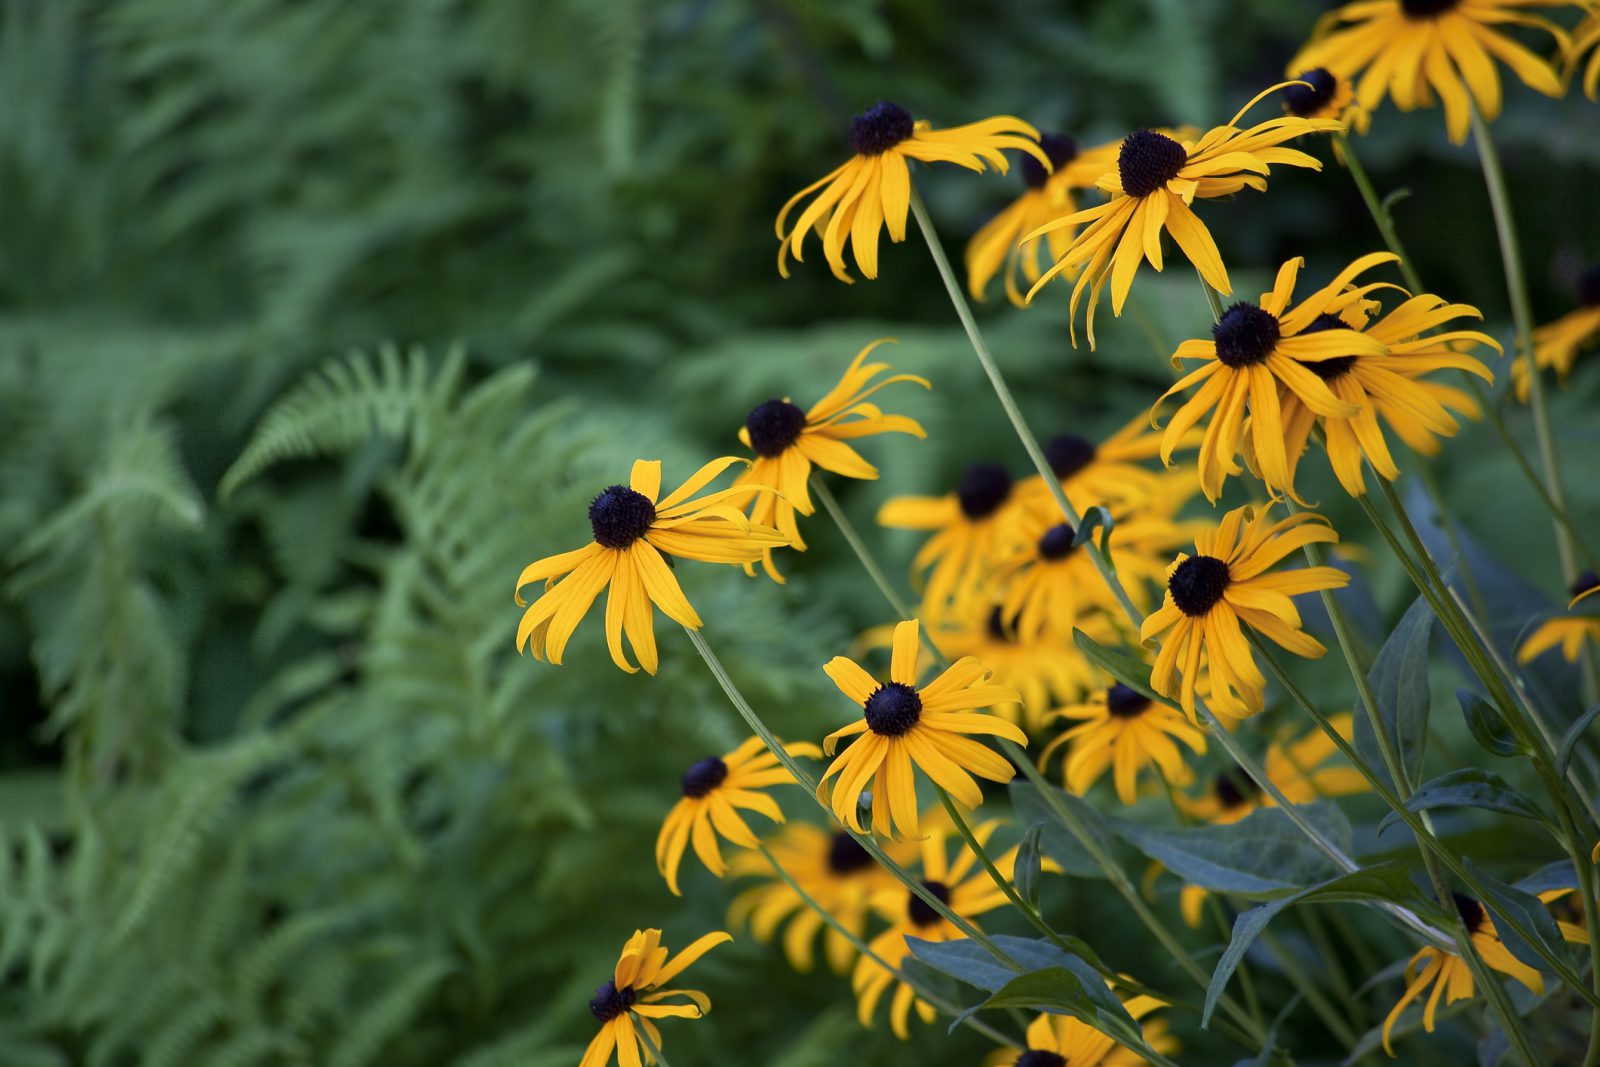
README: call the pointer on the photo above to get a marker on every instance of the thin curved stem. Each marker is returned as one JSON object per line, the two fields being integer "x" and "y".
{"x": 1001, "y": 882}
{"x": 644, "y": 1037}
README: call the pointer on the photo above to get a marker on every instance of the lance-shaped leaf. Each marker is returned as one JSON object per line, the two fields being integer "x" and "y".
{"x": 1264, "y": 854}
{"x": 1528, "y": 910}
{"x": 1488, "y": 726}
{"x": 1469, "y": 787}
{"x": 1399, "y": 679}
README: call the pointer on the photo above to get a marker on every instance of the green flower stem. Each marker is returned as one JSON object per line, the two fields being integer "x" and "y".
{"x": 1342, "y": 989}
{"x": 808, "y": 783}
{"x": 1000, "y": 880}
{"x": 819, "y": 489}
{"x": 1213, "y": 298}
{"x": 862, "y": 947}
{"x": 650, "y": 1046}
{"x": 1320, "y": 1004}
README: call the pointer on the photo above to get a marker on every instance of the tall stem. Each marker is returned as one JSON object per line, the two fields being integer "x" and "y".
{"x": 650, "y": 1046}
{"x": 1001, "y": 882}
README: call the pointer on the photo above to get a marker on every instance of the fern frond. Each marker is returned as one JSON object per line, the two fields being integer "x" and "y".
{"x": 382, "y": 1021}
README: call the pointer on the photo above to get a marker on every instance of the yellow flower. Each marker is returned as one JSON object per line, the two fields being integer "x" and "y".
{"x": 1121, "y": 728}
{"x": 634, "y": 996}
{"x": 1448, "y": 973}
{"x": 905, "y": 726}
{"x": 1253, "y": 350}
{"x": 973, "y": 528}
{"x": 961, "y": 884}
{"x": 713, "y": 789}
{"x": 1223, "y": 585}
{"x": 1585, "y": 37}
{"x": 1156, "y": 181}
{"x": 1557, "y": 344}
{"x": 1299, "y": 768}
{"x": 1001, "y": 242}
{"x": 872, "y": 190}
{"x": 1062, "y": 1041}
{"x": 1568, "y": 631}
{"x": 632, "y": 528}
{"x": 1325, "y": 95}
{"x": 833, "y": 870}
{"x": 1110, "y": 473}
{"x": 788, "y": 441}
{"x": 1412, "y": 49}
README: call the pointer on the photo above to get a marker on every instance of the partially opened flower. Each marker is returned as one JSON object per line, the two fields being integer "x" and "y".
{"x": 1304, "y": 769}
{"x": 788, "y": 441}
{"x": 1319, "y": 93}
{"x": 1568, "y": 631}
{"x": 905, "y": 727}
{"x": 634, "y": 998}
{"x": 871, "y": 191}
{"x": 1121, "y": 730}
{"x": 1557, "y": 344}
{"x": 714, "y": 789}
{"x": 633, "y": 527}
{"x": 1254, "y": 349}
{"x": 1047, "y": 196}
{"x": 1063, "y": 1041}
{"x": 972, "y": 529}
{"x": 1153, "y": 188}
{"x": 1227, "y": 584}
{"x": 833, "y": 870}
{"x": 1584, "y": 38}
{"x": 1414, "y": 49}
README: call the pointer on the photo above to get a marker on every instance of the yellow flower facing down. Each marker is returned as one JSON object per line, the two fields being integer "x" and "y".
{"x": 1155, "y": 183}
{"x": 1225, "y": 585}
{"x": 1556, "y": 345}
{"x": 1047, "y": 196}
{"x": 1584, "y": 38}
{"x": 1062, "y": 1041}
{"x": 714, "y": 789}
{"x": 905, "y": 727}
{"x": 633, "y": 527}
{"x": 1449, "y": 974}
{"x": 788, "y": 442}
{"x": 833, "y": 870}
{"x": 1304, "y": 769}
{"x": 1121, "y": 730}
{"x": 871, "y": 191}
{"x": 1255, "y": 348}
{"x": 1319, "y": 93}
{"x": 634, "y": 998}
{"x": 1568, "y": 631}
{"x": 972, "y": 530}
{"x": 1413, "y": 49}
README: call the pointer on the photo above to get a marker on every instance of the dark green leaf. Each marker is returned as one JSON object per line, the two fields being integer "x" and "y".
{"x": 1487, "y": 726}
{"x": 1469, "y": 788}
{"x": 1025, "y": 872}
{"x": 1261, "y": 855}
{"x": 1074, "y": 989}
{"x": 1095, "y": 517}
{"x": 1127, "y": 669}
{"x": 1399, "y": 679}
{"x": 1055, "y": 840}
{"x": 1570, "y": 739}
{"x": 1557, "y": 875}
{"x": 1504, "y": 900}
{"x": 976, "y": 965}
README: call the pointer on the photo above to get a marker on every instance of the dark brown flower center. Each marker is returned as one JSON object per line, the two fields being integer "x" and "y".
{"x": 1427, "y": 9}
{"x": 1470, "y": 910}
{"x": 1245, "y": 335}
{"x": 1125, "y": 702}
{"x": 704, "y": 776}
{"x": 1057, "y": 542}
{"x": 1058, "y": 147}
{"x": 892, "y": 709}
{"x": 920, "y": 910}
{"x": 984, "y": 487}
{"x": 846, "y": 856}
{"x": 1306, "y": 100}
{"x": 1038, "y": 1057}
{"x": 1235, "y": 788}
{"x": 1589, "y": 287}
{"x": 774, "y": 426}
{"x": 1148, "y": 161}
{"x": 1067, "y": 454}
{"x": 1584, "y": 582}
{"x": 1198, "y": 583}
{"x": 619, "y": 516}
{"x": 996, "y": 625}
{"x": 610, "y": 1002}
{"x": 880, "y": 128}
{"x": 1329, "y": 370}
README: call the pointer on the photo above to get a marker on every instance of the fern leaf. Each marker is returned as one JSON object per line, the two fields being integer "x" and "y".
{"x": 385, "y": 1018}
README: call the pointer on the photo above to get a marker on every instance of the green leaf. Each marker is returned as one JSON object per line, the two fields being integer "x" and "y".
{"x": 1129, "y": 670}
{"x": 1025, "y": 871}
{"x": 1055, "y": 840}
{"x": 970, "y": 962}
{"x": 1525, "y": 908}
{"x": 1469, "y": 787}
{"x": 1096, "y": 516}
{"x": 1399, "y": 679}
{"x": 1569, "y": 740}
{"x": 1074, "y": 989}
{"x": 1487, "y": 725}
{"x": 1262, "y": 855}
{"x": 1557, "y": 875}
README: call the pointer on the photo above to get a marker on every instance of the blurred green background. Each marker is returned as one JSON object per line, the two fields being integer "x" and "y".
{"x": 274, "y": 785}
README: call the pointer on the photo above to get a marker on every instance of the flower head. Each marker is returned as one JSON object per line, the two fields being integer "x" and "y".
{"x": 1413, "y": 49}
{"x": 871, "y": 191}
{"x": 1571, "y": 630}
{"x": 1112, "y": 473}
{"x": 1227, "y": 583}
{"x": 1062, "y": 1041}
{"x": 1319, "y": 93}
{"x": 904, "y": 727}
{"x": 634, "y": 998}
{"x": 1122, "y": 728}
{"x": 1556, "y": 345}
{"x": 1153, "y": 187}
{"x": 973, "y": 528}
{"x": 1302, "y": 768}
{"x": 633, "y": 526}
{"x": 1584, "y": 38}
{"x": 714, "y": 789}
{"x": 788, "y": 441}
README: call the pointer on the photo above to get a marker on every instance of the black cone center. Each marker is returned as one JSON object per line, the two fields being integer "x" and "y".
{"x": 1198, "y": 583}
{"x": 1307, "y": 100}
{"x": 1148, "y": 161}
{"x": 1038, "y": 1057}
{"x": 1235, "y": 788}
{"x": 774, "y": 426}
{"x": 1584, "y": 582}
{"x": 1057, "y": 542}
{"x": 880, "y": 128}
{"x": 610, "y": 1002}
{"x": 1423, "y": 9}
{"x": 1067, "y": 454}
{"x": 893, "y": 709}
{"x": 921, "y": 911}
{"x": 984, "y": 487}
{"x": 1470, "y": 910}
{"x": 1125, "y": 702}
{"x": 1245, "y": 335}
{"x": 1058, "y": 147}
{"x": 1589, "y": 287}
{"x": 846, "y": 856}
{"x": 620, "y": 516}
{"x": 704, "y": 776}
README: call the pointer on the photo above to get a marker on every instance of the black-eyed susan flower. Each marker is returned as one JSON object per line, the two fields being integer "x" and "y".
{"x": 1585, "y": 38}
{"x": 1568, "y": 631}
{"x": 1155, "y": 183}
{"x": 1449, "y": 974}
{"x": 1226, "y": 585}
{"x": 871, "y": 191}
{"x": 635, "y": 996}
{"x": 633, "y": 527}
{"x": 714, "y": 789}
{"x": 1413, "y": 49}
{"x": 1121, "y": 730}
{"x": 1556, "y": 345}
{"x": 972, "y": 529}
{"x": 905, "y": 727}
{"x": 1111, "y": 474}
{"x": 1047, "y": 196}
{"x": 1304, "y": 769}
{"x": 961, "y": 884}
{"x": 1062, "y": 1041}
{"x": 833, "y": 870}
{"x": 788, "y": 441}
{"x": 1253, "y": 349}
{"x": 1319, "y": 93}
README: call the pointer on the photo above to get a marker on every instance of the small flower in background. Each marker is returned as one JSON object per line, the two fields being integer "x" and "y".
{"x": 1109, "y": 474}
{"x": 1557, "y": 344}
{"x": 713, "y": 790}
{"x": 635, "y": 990}
{"x": 960, "y": 883}
{"x": 833, "y": 870}
{"x": 905, "y": 727}
{"x": 1569, "y": 631}
{"x": 632, "y": 529}
{"x": 973, "y": 528}
{"x": 1584, "y": 38}
{"x": 1299, "y": 768}
{"x": 1412, "y": 49}
{"x": 788, "y": 441}
{"x": 1253, "y": 350}
{"x": 1062, "y": 1041}
{"x": 872, "y": 190}
{"x": 1047, "y": 196}
{"x": 1121, "y": 730}
{"x": 1449, "y": 974}
{"x": 1223, "y": 585}
{"x": 1156, "y": 180}
{"x": 1325, "y": 95}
